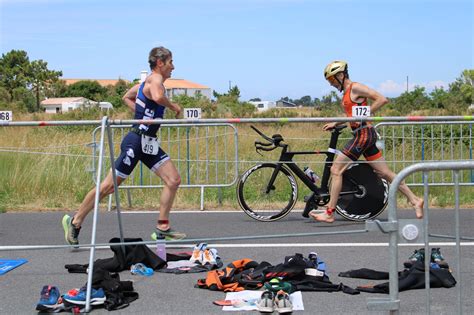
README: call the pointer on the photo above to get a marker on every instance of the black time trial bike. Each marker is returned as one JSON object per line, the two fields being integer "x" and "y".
{"x": 269, "y": 191}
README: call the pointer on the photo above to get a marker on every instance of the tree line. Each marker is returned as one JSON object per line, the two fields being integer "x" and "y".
{"x": 24, "y": 83}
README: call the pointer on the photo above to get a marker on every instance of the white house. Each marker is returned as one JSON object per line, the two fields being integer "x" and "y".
{"x": 180, "y": 86}
{"x": 64, "y": 104}
{"x": 263, "y": 105}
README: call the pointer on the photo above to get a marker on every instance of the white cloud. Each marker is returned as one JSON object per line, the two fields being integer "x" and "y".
{"x": 392, "y": 88}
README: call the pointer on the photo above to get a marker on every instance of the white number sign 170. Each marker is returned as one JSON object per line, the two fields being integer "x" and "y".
{"x": 192, "y": 113}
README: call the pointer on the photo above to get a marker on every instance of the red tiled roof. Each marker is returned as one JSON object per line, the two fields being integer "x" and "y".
{"x": 182, "y": 84}
{"x": 60, "y": 100}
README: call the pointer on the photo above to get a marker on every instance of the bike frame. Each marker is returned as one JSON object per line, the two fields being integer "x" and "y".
{"x": 286, "y": 158}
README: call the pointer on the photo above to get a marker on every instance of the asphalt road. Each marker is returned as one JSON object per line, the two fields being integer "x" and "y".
{"x": 175, "y": 294}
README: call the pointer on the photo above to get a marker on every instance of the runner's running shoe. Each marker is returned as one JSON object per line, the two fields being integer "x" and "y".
{"x": 265, "y": 304}
{"x": 169, "y": 235}
{"x": 436, "y": 257}
{"x": 71, "y": 232}
{"x": 97, "y": 297}
{"x": 418, "y": 255}
{"x": 198, "y": 251}
{"x": 282, "y": 302}
{"x": 49, "y": 298}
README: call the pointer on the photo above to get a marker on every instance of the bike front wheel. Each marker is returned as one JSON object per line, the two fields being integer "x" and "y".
{"x": 264, "y": 203}
{"x": 371, "y": 197}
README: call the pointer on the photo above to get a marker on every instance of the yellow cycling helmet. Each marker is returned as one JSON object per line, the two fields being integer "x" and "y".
{"x": 335, "y": 67}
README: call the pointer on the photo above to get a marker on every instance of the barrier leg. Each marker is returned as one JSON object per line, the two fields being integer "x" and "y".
{"x": 94, "y": 221}
{"x": 114, "y": 176}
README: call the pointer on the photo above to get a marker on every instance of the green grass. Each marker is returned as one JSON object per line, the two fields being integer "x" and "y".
{"x": 59, "y": 177}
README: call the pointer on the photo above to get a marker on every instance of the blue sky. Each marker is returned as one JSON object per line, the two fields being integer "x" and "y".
{"x": 268, "y": 48}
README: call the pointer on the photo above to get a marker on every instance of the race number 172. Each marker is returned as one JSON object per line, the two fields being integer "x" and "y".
{"x": 360, "y": 111}
{"x": 6, "y": 116}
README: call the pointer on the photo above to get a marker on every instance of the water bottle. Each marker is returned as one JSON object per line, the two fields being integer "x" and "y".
{"x": 161, "y": 247}
{"x": 310, "y": 174}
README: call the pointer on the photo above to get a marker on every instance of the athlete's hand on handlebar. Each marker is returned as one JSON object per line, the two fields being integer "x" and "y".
{"x": 329, "y": 126}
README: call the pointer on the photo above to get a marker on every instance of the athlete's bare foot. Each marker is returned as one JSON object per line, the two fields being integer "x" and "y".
{"x": 322, "y": 216}
{"x": 418, "y": 205}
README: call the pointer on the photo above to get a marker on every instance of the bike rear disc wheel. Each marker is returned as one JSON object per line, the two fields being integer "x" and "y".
{"x": 371, "y": 199}
{"x": 263, "y": 206}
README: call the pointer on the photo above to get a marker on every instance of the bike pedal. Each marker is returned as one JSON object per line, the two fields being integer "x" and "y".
{"x": 307, "y": 210}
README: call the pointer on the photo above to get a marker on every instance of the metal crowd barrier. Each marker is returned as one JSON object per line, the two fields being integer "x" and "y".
{"x": 206, "y": 156}
{"x": 417, "y": 231}
{"x": 406, "y": 143}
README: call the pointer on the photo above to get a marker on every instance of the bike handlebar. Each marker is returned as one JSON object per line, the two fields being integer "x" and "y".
{"x": 272, "y": 144}
{"x": 275, "y": 141}
{"x": 261, "y": 133}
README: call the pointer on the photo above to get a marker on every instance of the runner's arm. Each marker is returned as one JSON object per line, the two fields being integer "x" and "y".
{"x": 130, "y": 97}
{"x": 378, "y": 100}
{"x": 158, "y": 94}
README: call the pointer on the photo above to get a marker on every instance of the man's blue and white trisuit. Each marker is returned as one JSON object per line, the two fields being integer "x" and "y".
{"x": 141, "y": 144}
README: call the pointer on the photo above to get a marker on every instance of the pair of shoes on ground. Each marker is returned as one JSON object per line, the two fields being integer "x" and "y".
{"x": 279, "y": 301}
{"x": 419, "y": 255}
{"x": 141, "y": 270}
{"x": 52, "y": 301}
{"x": 203, "y": 255}
{"x": 322, "y": 215}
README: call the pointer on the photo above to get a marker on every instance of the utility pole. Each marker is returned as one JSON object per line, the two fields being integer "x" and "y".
{"x": 230, "y": 84}
{"x": 407, "y": 84}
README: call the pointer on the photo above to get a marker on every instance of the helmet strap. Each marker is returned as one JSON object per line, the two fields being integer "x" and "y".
{"x": 343, "y": 80}
{"x": 340, "y": 83}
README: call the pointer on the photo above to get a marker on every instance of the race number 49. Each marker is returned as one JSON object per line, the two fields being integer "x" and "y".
{"x": 360, "y": 111}
{"x": 192, "y": 113}
{"x": 6, "y": 116}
